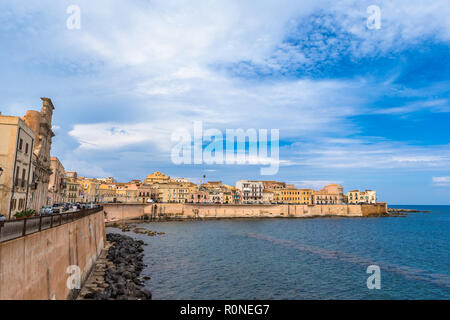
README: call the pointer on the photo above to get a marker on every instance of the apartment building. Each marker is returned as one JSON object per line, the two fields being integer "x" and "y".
{"x": 252, "y": 191}
{"x": 16, "y": 154}
{"x": 56, "y": 186}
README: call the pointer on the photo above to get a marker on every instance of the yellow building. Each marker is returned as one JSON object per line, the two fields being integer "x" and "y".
{"x": 56, "y": 186}
{"x": 307, "y": 196}
{"x": 127, "y": 193}
{"x": 90, "y": 187}
{"x": 73, "y": 191}
{"x": 107, "y": 193}
{"x": 330, "y": 194}
{"x": 16, "y": 152}
{"x": 157, "y": 177}
{"x": 290, "y": 195}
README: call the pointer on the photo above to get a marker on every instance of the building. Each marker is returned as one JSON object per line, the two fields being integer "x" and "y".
{"x": 73, "y": 188}
{"x": 307, "y": 196}
{"x": 273, "y": 185}
{"x": 198, "y": 196}
{"x": 358, "y": 197}
{"x": 41, "y": 124}
{"x": 370, "y": 196}
{"x": 147, "y": 193}
{"x": 290, "y": 195}
{"x": 268, "y": 196}
{"x": 127, "y": 193}
{"x": 89, "y": 188}
{"x": 353, "y": 197}
{"x": 16, "y": 156}
{"x": 108, "y": 180}
{"x": 157, "y": 177}
{"x": 107, "y": 193}
{"x": 56, "y": 186}
{"x": 330, "y": 194}
{"x": 251, "y": 191}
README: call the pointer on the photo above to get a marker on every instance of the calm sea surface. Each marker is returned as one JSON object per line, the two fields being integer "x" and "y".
{"x": 321, "y": 258}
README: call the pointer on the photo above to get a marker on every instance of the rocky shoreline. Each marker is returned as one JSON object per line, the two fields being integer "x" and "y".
{"x": 118, "y": 276}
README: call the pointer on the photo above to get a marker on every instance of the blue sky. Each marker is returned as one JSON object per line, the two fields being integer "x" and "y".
{"x": 368, "y": 108}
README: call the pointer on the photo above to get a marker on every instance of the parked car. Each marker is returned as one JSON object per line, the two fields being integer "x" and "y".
{"x": 56, "y": 210}
{"x": 46, "y": 210}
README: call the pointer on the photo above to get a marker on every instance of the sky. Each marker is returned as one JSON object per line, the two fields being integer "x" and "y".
{"x": 364, "y": 107}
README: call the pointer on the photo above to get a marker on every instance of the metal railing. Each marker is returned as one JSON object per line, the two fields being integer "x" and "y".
{"x": 13, "y": 229}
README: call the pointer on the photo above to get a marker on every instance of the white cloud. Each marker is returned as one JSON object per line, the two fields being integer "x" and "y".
{"x": 85, "y": 168}
{"x": 371, "y": 153}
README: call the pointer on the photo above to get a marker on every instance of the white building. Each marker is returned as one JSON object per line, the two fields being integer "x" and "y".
{"x": 357, "y": 197}
{"x": 252, "y": 191}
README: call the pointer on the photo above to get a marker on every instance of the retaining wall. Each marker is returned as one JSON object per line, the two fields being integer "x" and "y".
{"x": 116, "y": 212}
{"x": 34, "y": 267}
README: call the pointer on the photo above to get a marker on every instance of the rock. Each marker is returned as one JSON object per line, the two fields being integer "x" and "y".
{"x": 120, "y": 277}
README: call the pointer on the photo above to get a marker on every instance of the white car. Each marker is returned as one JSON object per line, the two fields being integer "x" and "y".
{"x": 46, "y": 210}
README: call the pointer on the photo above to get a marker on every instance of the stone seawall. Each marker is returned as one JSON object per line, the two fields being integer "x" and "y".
{"x": 116, "y": 212}
{"x": 34, "y": 267}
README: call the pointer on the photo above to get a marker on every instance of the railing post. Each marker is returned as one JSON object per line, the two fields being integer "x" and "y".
{"x": 24, "y": 231}
{"x": 60, "y": 219}
{"x": 40, "y": 223}
{"x": 51, "y": 221}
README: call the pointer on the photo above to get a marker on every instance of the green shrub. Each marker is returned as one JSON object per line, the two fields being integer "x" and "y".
{"x": 25, "y": 213}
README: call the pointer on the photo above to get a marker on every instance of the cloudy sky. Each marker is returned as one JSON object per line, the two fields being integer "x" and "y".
{"x": 367, "y": 108}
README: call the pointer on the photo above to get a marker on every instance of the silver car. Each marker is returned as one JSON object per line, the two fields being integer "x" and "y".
{"x": 46, "y": 210}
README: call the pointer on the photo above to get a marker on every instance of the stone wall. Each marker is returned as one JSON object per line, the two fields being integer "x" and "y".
{"x": 34, "y": 267}
{"x": 174, "y": 210}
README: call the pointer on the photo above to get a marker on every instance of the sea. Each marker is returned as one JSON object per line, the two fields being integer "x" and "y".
{"x": 308, "y": 258}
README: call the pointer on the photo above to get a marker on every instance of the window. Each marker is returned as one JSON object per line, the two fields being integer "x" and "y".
{"x": 16, "y": 183}
{"x": 20, "y": 144}
{"x": 26, "y": 148}
{"x": 23, "y": 178}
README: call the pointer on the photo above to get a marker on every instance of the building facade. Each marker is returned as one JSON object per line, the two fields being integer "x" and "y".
{"x": 251, "y": 191}
{"x": 56, "y": 186}
{"x": 359, "y": 197}
{"x": 157, "y": 177}
{"x": 16, "y": 156}
{"x": 330, "y": 194}
{"x": 41, "y": 124}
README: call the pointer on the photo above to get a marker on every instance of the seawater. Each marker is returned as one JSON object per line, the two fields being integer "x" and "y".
{"x": 316, "y": 258}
